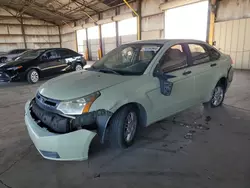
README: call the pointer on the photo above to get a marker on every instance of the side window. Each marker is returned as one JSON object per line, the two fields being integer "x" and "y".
{"x": 72, "y": 53}
{"x": 199, "y": 54}
{"x": 12, "y": 52}
{"x": 50, "y": 55}
{"x": 173, "y": 59}
{"x": 21, "y": 51}
{"x": 214, "y": 55}
{"x": 67, "y": 53}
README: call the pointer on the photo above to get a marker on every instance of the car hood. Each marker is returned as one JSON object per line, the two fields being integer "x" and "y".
{"x": 79, "y": 84}
{"x": 13, "y": 63}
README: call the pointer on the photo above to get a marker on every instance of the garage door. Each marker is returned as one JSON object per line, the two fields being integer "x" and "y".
{"x": 81, "y": 41}
{"x": 93, "y": 40}
{"x": 108, "y": 37}
{"x": 187, "y": 22}
{"x": 127, "y": 30}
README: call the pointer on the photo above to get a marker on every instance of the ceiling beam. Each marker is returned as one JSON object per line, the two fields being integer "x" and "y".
{"x": 15, "y": 16}
{"x": 85, "y": 13}
{"x": 63, "y": 6}
{"x": 34, "y": 16}
{"x": 23, "y": 9}
{"x": 48, "y": 2}
{"x": 84, "y": 4}
{"x": 53, "y": 13}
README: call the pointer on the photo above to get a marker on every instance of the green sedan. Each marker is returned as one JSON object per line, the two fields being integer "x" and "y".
{"x": 134, "y": 85}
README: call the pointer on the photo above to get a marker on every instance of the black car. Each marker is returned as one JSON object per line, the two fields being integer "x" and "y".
{"x": 33, "y": 64}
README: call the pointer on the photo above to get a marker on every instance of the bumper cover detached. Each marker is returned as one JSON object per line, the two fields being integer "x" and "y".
{"x": 69, "y": 146}
{"x": 4, "y": 77}
{"x": 8, "y": 76}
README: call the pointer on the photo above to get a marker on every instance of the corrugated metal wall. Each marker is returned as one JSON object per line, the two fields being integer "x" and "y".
{"x": 38, "y": 34}
{"x": 233, "y": 38}
{"x": 68, "y": 36}
{"x": 152, "y": 19}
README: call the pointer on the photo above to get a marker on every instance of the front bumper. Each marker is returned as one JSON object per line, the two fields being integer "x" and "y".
{"x": 230, "y": 76}
{"x": 68, "y": 146}
{"x": 8, "y": 76}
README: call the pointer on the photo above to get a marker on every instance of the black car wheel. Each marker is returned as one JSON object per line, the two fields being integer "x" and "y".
{"x": 123, "y": 127}
{"x": 3, "y": 59}
{"x": 33, "y": 76}
{"x": 78, "y": 67}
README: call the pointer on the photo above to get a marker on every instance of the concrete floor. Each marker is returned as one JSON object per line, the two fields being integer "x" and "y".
{"x": 215, "y": 153}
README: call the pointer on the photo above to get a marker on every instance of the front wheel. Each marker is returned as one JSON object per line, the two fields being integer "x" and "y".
{"x": 3, "y": 59}
{"x": 217, "y": 97}
{"x": 33, "y": 76}
{"x": 123, "y": 127}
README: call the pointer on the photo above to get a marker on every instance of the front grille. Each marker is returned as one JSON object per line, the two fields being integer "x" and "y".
{"x": 53, "y": 122}
{"x": 47, "y": 103}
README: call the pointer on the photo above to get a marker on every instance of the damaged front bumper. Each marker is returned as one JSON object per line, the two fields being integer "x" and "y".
{"x": 71, "y": 145}
{"x": 8, "y": 76}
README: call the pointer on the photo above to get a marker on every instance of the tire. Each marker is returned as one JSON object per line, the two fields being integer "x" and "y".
{"x": 3, "y": 59}
{"x": 119, "y": 131}
{"x": 33, "y": 76}
{"x": 217, "y": 97}
{"x": 78, "y": 67}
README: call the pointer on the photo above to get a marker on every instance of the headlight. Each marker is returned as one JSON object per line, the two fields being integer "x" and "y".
{"x": 78, "y": 106}
{"x": 15, "y": 68}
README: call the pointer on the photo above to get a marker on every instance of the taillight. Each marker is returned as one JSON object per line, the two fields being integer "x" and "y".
{"x": 232, "y": 62}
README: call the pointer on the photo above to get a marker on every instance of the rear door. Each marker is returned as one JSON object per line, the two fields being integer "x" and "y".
{"x": 69, "y": 58}
{"x": 203, "y": 70}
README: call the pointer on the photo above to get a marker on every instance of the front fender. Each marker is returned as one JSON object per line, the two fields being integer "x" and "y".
{"x": 143, "y": 103}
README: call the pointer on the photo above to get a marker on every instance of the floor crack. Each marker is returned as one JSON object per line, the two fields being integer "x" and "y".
{"x": 16, "y": 161}
{"x": 5, "y": 184}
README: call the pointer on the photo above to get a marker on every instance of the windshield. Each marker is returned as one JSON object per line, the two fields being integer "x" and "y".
{"x": 31, "y": 54}
{"x": 130, "y": 59}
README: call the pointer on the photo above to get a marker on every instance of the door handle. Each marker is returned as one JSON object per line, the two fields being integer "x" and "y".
{"x": 187, "y": 72}
{"x": 213, "y": 65}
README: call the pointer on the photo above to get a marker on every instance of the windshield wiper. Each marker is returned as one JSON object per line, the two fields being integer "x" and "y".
{"x": 105, "y": 70}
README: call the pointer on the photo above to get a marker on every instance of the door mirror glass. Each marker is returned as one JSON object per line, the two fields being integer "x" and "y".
{"x": 165, "y": 85}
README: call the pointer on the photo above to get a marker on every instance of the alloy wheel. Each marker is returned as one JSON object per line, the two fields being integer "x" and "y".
{"x": 217, "y": 96}
{"x": 130, "y": 126}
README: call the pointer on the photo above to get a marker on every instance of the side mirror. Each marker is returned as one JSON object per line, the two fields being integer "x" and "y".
{"x": 43, "y": 58}
{"x": 165, "y": 85}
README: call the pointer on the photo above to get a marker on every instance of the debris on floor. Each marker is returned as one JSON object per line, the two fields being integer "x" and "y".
{"x": 208, "y": 118}
{"x": 188, "y": 136}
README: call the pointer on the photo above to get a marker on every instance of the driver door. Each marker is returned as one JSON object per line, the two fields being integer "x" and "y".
{"x": 174, "y": 83}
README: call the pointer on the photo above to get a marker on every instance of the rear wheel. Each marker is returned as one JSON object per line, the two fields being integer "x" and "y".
{"x": 217, "y": 96}
{"x": 33, "y": 76}
{"x": 123, "y": 127}
{"x": 78, "y": 67}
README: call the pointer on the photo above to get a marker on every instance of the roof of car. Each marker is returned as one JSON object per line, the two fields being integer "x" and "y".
{"x": 163, "y": 41}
